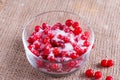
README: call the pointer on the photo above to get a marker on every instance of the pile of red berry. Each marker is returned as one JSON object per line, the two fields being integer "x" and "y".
{"x": 98, "y": 74}
{"x": 59, "y": 43}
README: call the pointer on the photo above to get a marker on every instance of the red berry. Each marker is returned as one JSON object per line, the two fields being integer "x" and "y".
{"x": 66, "y": 39}
{"x": 67, "y": 29}
{"x": 51, "y": 35}
{"x": 69, "y": 22}
{"x": 56, "y": 51}
{"x": 46, "y": 40}
{"x": 74, "y": 55}
{"x": 98, "y": 75}
{"x": 64, "y": 53}
{"x": 85, "y": 50}
{"x": 86, "y": 43}
{"x": 85, "y": 36}
{"x": 77, "y": 31}
{"x": 53, "y": 43}
{"x": 44, "y": 25}
{"x": 61, "y": 44}
{"x": 33, "y": 33}
{"x": 40, "y": 63}
{"x": 46, "y": 30}
{"x": 33, "y": 38}
{"x": 109, "y": 78}
{"x": 75, "y": 24}
{"x": 35, "y": 52}
{"x": 89, "y": 73}
{"x": 60, "y": 37}
{"x": 37, "y": 44}
{"x": 37, "y": 28}
{"x": 51, "y": 58}
{"x": 110, "y": 63}
{"x": 46, "y": 51}
{"x": 104, "y": 63}
{"x": 30, "y": 40}
{"x": 58, "y": 26}
{"x": 78, "y": 50}
{"x": 31, "y": 47}
{"x": 71, "y": 64}
{"x": 54, "y": 66}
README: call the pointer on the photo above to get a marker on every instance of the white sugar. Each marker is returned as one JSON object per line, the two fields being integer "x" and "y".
{"x": 58, "y": 32}
{"x": 72, "y": 38}
{"x": 66, "y": 58}
{"x": 80, "y": 42}
{"x": 51, "y": 54}
{"x": 68, "y": 47}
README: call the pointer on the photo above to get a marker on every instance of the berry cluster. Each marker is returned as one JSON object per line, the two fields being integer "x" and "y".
{"x": 59, "y": 43}
{"x": 107, "y": 63}
{"x": 90, "y": 73}
{"x": 98, "y": 74}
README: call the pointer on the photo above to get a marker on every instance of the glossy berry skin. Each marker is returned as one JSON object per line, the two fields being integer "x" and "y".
{"x": 77, "y": 31}
{"x": 98, "y": 75}
{"x": 37, "y": 28}
{"x": 110, "y": 63}
{"x": 75, "y": 24}
{"x": 104, "y": 63}
{"x": 69, "y": 22}
{"x": 89, "y": 73}
{"x": 109, "y": 78}
{"x": 86, "y": 43}
{"x": 44, "y": 25}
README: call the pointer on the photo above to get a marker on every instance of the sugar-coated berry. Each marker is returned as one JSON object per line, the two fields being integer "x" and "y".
{"x": 97, "y": 75}
{"x": 36, "y": 44}
{"x": 46, "y": 40}
{"x": 46, "y": 51}
{"x": 66, "y": 39}
{"x": 110, "y": 63}
{"x": 104, "y": 63}
{"x": 109, "y": 78}
{"x": 51, "y": 35}
{"x": 69, "y": 22}
{"x": 89, "y": 73}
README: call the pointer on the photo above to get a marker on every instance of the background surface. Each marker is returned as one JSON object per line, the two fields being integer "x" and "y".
{"x": 103, "y": 15}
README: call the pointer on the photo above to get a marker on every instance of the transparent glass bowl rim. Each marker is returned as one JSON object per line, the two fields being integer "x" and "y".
{"x": 68, "y": 12}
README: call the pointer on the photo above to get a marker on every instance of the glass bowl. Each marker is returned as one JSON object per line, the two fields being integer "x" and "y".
{"x": 63, "y": 68}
